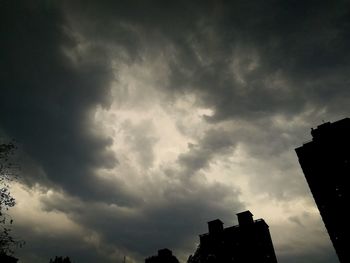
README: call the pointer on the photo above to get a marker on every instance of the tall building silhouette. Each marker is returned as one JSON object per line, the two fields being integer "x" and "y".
{"x": 249, "y": 241}
{"x": 325, "y": 162}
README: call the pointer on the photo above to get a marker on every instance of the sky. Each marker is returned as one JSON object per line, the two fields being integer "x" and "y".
{"x": 137, "y": 122}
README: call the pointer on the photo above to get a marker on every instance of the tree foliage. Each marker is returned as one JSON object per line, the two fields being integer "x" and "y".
{"x": 196, "y": 257}
{"x": 7, "y": 175}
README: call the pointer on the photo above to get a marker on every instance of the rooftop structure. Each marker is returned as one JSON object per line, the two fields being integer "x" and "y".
{"x": 249, "y": 241}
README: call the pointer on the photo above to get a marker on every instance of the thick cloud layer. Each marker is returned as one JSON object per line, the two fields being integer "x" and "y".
{"x": 47, "y": 100}
{"x": 138, "y": 122}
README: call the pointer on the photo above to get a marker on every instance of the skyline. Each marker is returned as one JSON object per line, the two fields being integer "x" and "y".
{"x": 137, "y": 122}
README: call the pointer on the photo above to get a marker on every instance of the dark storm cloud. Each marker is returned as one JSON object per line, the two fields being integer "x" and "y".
{"x": 245, "y": 60}
{"x": 47, "y": 100}
{"x": 174, "y": 220}
{"x": 215, "y": 142}
{"x": 301, "y": 43}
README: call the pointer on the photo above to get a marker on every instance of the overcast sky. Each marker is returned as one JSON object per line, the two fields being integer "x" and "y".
{"x": 139, "y": 121}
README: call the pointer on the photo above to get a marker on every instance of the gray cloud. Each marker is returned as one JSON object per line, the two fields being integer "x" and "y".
{"x": 280, "y": 60}
{"x": 48, "y": 100}
{"x": 199, "y": 156}
{"x": 321, "y": 255}
{"x": 245, "y": 60}
{"x": 46, "y": 246}
{"x": 174, "y": 220}
{"x": 141, "y": 140}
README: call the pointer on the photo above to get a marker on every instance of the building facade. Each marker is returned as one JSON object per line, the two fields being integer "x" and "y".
{"x": 249, "y": 241}
{"x": 325, "y": 162}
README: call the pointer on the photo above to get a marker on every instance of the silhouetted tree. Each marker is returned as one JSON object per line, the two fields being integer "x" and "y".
{"x": 164, "y": 256}
{"x": 7, "y": 174}
{"x": 60, "y": 260}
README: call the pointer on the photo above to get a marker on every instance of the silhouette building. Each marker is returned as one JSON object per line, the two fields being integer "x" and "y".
{"x": 164, "y": 256}
{"x": 249, "y": 241}
{"x": 325, "y": 162}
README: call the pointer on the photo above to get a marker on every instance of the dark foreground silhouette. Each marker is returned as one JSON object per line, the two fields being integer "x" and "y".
{"x": 164, "y": 256}
{"x": 7, "y": 259}
{"x": 326, "y": 165}
{"x": 249, "y": 241}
